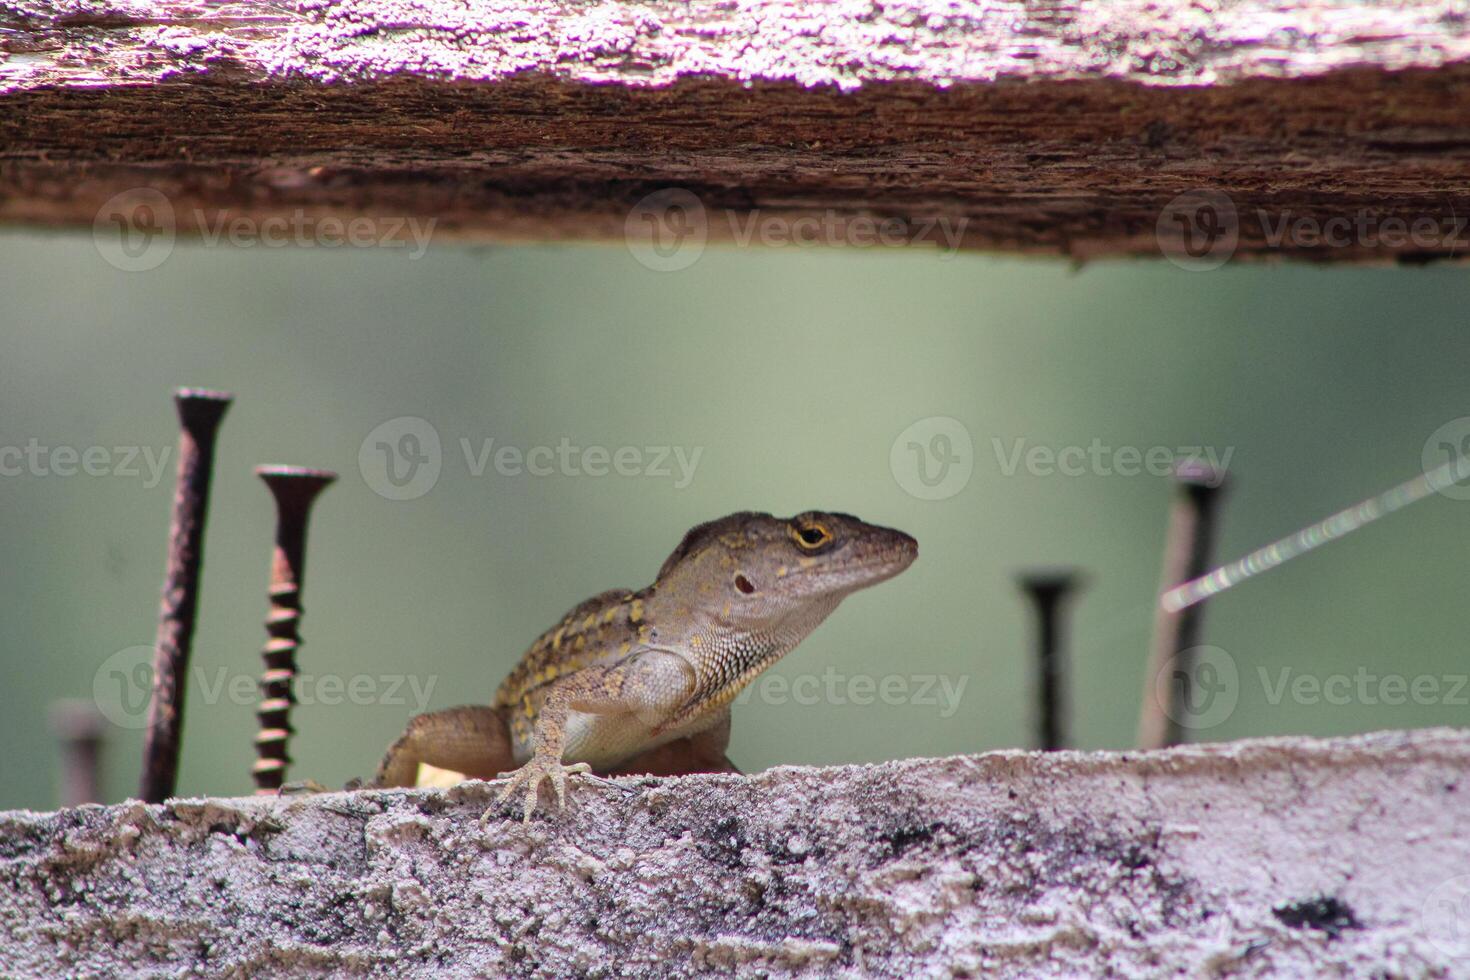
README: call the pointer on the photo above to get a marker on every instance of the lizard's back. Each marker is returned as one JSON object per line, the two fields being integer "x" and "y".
{"x": 601, "y": 630}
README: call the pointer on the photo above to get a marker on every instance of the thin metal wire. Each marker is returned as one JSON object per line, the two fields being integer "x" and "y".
{"x": 1315, "y": 535}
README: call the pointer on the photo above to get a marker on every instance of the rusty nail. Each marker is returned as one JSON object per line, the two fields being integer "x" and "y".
{"x": 200, "y": 413}
{"x": 78, "y": 725}
{"x": 294, "y": 490}
{"x": 1048, "y": 589}
{"x": 1193, "y": 522}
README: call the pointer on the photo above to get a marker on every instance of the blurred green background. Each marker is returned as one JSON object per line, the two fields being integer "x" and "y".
{"x": 792, "y": 371}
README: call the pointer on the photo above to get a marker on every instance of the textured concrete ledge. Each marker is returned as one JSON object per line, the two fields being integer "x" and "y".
{"x": 1271, "y": 857}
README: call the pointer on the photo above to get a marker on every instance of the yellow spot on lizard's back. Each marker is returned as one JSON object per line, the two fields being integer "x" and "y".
{"x": 589, "y": 621}
{"x": 635, "y": 612}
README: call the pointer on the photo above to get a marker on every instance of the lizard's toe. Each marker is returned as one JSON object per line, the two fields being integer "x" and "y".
{"x": 527, "y": 779}
{"x": 559, "y": 776}
{"x": 528, "y": 806}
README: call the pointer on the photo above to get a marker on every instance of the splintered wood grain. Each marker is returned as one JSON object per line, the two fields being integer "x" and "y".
{"x": 1064, "y": 128}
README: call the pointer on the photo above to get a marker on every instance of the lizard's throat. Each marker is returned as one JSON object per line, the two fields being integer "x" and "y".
{"x": 729, "y": 664}
{"x": 731, "y": 660}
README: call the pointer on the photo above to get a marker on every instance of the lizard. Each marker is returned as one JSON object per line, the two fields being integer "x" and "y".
{"x": 642, "y": 681}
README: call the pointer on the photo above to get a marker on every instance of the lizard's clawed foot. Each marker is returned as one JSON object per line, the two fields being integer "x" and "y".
{"x": 528, "y": 778}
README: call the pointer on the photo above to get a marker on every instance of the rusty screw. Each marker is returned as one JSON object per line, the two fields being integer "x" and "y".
{"x": 1193, "y": 522}
{"x": 200, "y": 413}
{"x": 294, "y": 490}
{"x": 1048, "y": 590}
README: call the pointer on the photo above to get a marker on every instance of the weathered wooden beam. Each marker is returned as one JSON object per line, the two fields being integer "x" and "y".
{"x": 1331, "y": 129}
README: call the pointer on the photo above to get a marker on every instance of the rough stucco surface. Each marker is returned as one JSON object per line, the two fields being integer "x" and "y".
{"x": 1270, "y": 857}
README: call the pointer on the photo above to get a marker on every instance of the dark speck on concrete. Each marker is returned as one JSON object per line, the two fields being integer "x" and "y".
{"x": 1326, "y": 914}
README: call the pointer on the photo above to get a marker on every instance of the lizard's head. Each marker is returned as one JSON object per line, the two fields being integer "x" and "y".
{"x": 755, "y": 571}
{"x": 747, "y": 588}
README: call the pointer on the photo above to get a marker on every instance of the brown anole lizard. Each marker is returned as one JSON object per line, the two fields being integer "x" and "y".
{"x": 642, "y": 681}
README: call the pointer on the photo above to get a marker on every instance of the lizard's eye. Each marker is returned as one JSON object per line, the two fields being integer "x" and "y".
{"x": 811, "y": 536}
{"x": 743, "y": 585}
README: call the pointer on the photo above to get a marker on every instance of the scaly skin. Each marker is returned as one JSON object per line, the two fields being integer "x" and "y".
{"x": 647, "y": 677}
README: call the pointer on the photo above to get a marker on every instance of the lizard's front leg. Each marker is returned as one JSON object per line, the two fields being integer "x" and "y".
{"x": 630, "y": 697}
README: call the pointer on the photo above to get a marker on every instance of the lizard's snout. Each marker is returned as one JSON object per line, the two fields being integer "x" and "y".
{"x": 897, "y": 547}
{"x": 905, "y": 549}
{"x": 885, "y": 551}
